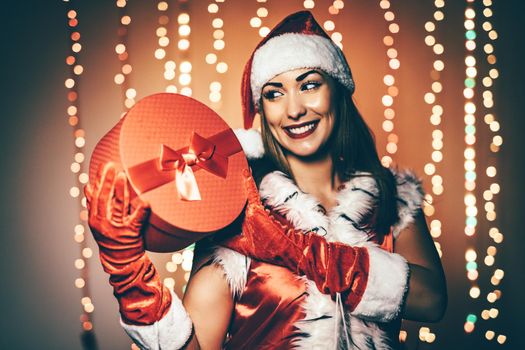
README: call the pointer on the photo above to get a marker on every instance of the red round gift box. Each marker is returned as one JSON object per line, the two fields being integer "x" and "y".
{"x": 173, "y": 122}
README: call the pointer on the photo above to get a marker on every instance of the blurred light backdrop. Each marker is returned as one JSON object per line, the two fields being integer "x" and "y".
{"x": 437, "y": 81}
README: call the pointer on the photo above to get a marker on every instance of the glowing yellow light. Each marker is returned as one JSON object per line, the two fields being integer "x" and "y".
{"x": 222, "y": 67}
{"x": 391, "y": 148}
{"x": 170, "y": 65}
{"x": 308, "y": 4}
{"x": 493, "y": 35}
{"x": 183, "y": 18}
{"x": 87, "y": 253}
{"x": 126, "y": 69}
{"x": 162, "y": 6}
{"x": 262, "y": 12}
{"x": 388, "y": 80}
{"x": 120, "y": 48}
{"x": 160, "y": 53}
{"x": 131, "y": 93}
{"x": 83, "y": 178}
{"x": 493, "y": 313}
{"x": 430, "y": 98}
{"x": 69, "y": 83}
{"x": 439, "y": 65}
{"x": 183, "y": 44}
{"x": 393, "y": 28}
{"x": 470, "y": 13}
{"x": 468, "y": 93}
{"x": 218, "y": 34}
{"x": 80, "y": 283}
{"x": 184, "y": 79}
{"x": 89, "y": 308}
{"x": 388, "y": 125}
{"x": 125, "y": 20}
{"x": 494, "y": 188}
{"x": 329, "y": 25}
{"x": 263, "y": 31}
{"x": 470, "y": 45}
{"x": 389, "y": 16}
{"x": 430, "y": 26}
{"x": 472, "y": 275}
{"x": 435, "y": 119}
{"x": 491, "y": 171}
{"x": 394, "y": 63}
{"x": 80, "y": 142}
{"x": 437, "y": 156}
{"x": 164, "y": 41}
{"x": 430, "y": 169}
{"x": 186, "y": 91}
{"x": 386, "y": 161}
{"x": 161, "y": 31}
{"x": 217, "y": 23}
{"x": 336, "y": 36}
{"x": 171, "y": 88}
{"x": 487, "y": 12}
{"x": 387, "y": 100}
{"x": 119, "y": 78}
{"x": 489, "y": 335}
{"x": 169, "y": 283}
{"x": 439, "y": 15}
{"x": 493, "y": 73}
{"x": 219, "y": 44}
{"x": 184, "y": 30}
{"x": 391, "y": 53}
{"x": 438, "y": 49}
{"x": 185, "y": 67}
{"x": 437, "y": 87}
{"x": 389, "y": 113}
{"x": 499, "y": 274}
{"x": 474, "y": 292}
{"x": 339, "y": 4}
{"x": 384, "y": 4}
{"x": 213, "y": 8}
{"x": 71, "y": 14}
{"x": 215, "y": 96}
{"x": 470, "y": 255}
{"x": 255, "y": 22}
{"x": 211, "y": 58}
{"x": 215, "y": 86}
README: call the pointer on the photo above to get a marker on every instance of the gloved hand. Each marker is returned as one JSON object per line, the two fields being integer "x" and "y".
{"x": 334, "y": 267}
{"x": 116, "y": 227}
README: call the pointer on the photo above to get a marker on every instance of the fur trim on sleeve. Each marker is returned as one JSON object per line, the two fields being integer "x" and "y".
{"x": 410, "y": 197}
{"x": 171, "y": 332}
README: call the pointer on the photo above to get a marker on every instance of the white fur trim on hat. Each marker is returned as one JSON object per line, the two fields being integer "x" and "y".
{"x": 171, "y": 332}
{"x": 292, "y": 51}
{"x": 251, "y": 142}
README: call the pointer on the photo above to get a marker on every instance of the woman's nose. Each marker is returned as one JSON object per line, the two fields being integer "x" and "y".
{"x": 295, "y": 108}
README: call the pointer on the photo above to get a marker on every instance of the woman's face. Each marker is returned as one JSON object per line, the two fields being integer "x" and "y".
{"x": 297, "y": 107}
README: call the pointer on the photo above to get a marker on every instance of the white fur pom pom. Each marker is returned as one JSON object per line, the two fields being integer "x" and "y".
{"x": 251, "y": 142}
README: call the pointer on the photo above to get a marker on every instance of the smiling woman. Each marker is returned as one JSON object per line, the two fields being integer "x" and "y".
{"x": 334, "y": 251}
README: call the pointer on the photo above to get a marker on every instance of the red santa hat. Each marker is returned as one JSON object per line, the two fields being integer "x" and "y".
{"x": 298, "y": 41}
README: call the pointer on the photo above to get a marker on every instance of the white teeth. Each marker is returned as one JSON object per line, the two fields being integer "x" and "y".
{"x": 302, "y": 129}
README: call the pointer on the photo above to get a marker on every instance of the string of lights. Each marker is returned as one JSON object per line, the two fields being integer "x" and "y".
{"x": 496, "y": 274}
{"x": 431, "y": 168}
{"x": 212, "y": 58}
{"x": 163, "y": 44}
{"x": 78, "y": 169}
{"x": 471, "y": 209}
{"x": 389, "y": 81}
{"x": 121, "y": 78}
{"x": 329, "y": 25}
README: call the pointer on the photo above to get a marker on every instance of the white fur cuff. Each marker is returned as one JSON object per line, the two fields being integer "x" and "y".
{"x": 386, "y": 287}
{"x": 169, "y": 333}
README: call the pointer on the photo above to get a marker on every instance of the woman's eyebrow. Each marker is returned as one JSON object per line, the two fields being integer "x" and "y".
{"x": 279, "y": 85}
{"x": 304, "y": 75}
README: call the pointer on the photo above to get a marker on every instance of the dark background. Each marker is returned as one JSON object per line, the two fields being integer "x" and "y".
{"x": 39, "y": 303}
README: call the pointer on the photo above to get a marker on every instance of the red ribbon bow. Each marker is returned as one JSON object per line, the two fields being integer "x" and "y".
{"x": 201, "y": 153}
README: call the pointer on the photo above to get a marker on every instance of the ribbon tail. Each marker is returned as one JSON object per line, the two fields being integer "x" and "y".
{"x": 187, "y": 184}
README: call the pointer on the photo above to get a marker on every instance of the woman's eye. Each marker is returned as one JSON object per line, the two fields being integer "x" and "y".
{"x": 310, "y": 85}
{"x": 272, "y": 94}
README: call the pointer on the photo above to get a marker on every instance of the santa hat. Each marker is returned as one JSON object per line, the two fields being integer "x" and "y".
{"x": 298, "y": 41}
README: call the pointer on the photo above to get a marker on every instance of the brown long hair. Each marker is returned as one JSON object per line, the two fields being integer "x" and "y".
{"x": 353, "y": 151}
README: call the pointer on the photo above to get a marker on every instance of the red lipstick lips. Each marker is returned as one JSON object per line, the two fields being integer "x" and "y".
{"x": 299, "y": 131}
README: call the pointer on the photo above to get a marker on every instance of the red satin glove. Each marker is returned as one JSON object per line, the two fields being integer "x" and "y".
{"x": 116, "y": 226}
{"x": 334, "y": 267}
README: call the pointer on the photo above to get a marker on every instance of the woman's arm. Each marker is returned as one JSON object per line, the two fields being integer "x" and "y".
{"x": 427, "y": 292}
{"x": 209, "y": 303}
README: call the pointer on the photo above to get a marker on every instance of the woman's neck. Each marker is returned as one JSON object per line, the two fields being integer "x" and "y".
{"x": 316, "y": 176}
